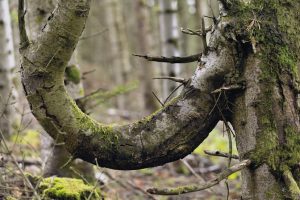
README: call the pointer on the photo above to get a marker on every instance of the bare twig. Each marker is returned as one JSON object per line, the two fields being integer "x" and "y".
{"x": 173, "y": 59}
{"x": 220, "y": 154}
{"x": 24, "y": 41}
{"x": 193, "y": 188}
{"x": 228, "y": 88}
{"x": 19, "y": 168}
{"x": 173, "y": 91}
{"x": 192, "y": 170}
{"x": 133, "y": 186}
{"x": 93, "y": 35}
{"x": 175, "y": 79}
{"x": 159, "y": 101}
{"x": 192, "y": 32}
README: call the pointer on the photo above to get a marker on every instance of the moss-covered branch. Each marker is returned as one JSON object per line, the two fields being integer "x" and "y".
{"x": 167, "y": 135}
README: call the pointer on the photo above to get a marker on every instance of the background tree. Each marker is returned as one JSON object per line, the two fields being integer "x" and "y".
{"x": 248, "y": 75}
{"x": 169, "y": 33}
{"x": 7, "y": 66}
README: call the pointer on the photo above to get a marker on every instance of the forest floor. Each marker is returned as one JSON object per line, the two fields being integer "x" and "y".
{"x": 20, "y": 156}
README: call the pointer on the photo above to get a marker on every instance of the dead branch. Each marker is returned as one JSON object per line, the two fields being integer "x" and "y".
{"x": 173, "y": 59}
{"x": 220, "y": 154}
{"x": 228, "y": 88}
{"x": 156, "y": 97}
{"x": 193, "y": 188}
{"x": 93, "y": 35}
{"x": 175, "y": 79}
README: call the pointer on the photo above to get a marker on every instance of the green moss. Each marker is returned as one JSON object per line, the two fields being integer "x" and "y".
{"x": 72, "y": 74}
{"x": 274, "y": 192}
{"x": 279, "y": 45}
{"x": 67, "y": 189}
{"x": 273, "y": 27}
{"x": 81, "y": 92}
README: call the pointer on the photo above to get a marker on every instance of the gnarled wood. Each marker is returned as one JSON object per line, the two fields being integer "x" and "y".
{"x": 167, "y": 135}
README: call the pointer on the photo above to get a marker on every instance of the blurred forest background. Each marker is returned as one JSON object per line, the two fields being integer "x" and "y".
{"x": 113, "y": 86}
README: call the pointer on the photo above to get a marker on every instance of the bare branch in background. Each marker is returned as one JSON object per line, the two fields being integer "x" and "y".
{"x": 220, "y": 154}
{"x": 173, "y": 59}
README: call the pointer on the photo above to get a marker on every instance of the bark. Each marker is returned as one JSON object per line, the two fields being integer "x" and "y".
{"x": 169, "y": 36}
{"x": 7, "y": 64}
{"x": 179, "y": 127}
{"x": 266, "y": 116}
{"x": 260, "y": 40}
{"x": 56, "y": 155}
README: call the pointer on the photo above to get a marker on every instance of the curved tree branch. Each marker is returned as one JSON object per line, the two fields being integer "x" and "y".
{"x": 167, "y": 135}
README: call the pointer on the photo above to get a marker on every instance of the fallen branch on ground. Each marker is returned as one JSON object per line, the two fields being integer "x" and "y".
{"x": 193, "y": 188}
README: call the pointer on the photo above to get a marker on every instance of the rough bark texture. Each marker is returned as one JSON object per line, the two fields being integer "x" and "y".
{"x": 7, "y": 64}
{"x": 179, "y": 127}
{"x": 266, "y": 116}
{"x": 261, "y": 40}
{"x": 56, "y": 155}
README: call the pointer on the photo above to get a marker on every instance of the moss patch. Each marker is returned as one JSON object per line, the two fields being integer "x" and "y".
{"x": 67, "y": 189}
{"x": 72, "y": 74}
{"x": 272, "y": 28}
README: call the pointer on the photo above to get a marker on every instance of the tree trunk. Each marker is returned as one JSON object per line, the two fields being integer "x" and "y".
{"x": 169, "y": 33}
{"x": 119, "y": 46}
{"x": 56, "y": 154}
{"x": 257, "y": 46}
{"x": 146, "y": 68}
{"x": 7, "y": 64}
{"x": 266, "y": 115}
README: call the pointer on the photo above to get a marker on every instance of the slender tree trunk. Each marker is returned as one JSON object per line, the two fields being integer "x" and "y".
{"x": 7, "y": 64}
{"x": 169, "y": 33}
{"x": 55, "y": 153}
{"x": 145, "y": 67}
{"x": 119, "y": 46}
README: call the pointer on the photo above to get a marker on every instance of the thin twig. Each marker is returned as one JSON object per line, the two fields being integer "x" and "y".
{"x": 192, "y": 32}
{"x": 19, "y": 168}
{"x": 221, "y": 154}
{"x": 93, "y": 35}
{"x": 133, "y": 186}
{"x": 173, "y": 59}
{"x": 192, "y": 170}
{"x": 228, "y": 88}
{"x": 159, "y": 101}
{"x": 173, "y": 91}
{"x": 171, "y": 78}
{"x": 193, "y": 188}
